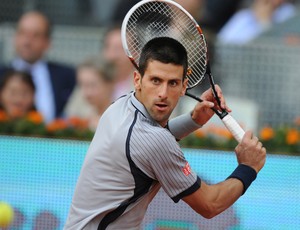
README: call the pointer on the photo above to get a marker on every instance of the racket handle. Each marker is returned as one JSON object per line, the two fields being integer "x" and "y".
{"x": 234, "y": 127}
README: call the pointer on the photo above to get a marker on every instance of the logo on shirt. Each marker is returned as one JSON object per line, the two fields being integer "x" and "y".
{"x": 187, "y": 169}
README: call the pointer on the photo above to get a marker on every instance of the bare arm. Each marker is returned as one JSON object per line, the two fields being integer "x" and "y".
{"x": 210, "y": 200}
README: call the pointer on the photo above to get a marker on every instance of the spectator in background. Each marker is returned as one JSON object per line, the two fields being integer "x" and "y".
{"x": 54, "y": 82}
{"x": 194, "y": 7}
{"x": 198, "y": 9}
{"x": 249, "y": 23}
{"x": 121, "y": 9}
{"x": 95, "y": 81}
{"x": 113, "y": 52}
{"x": 16, "y": 94}
{"x": 101, "y": 10}
{"x": 217, "y": 12}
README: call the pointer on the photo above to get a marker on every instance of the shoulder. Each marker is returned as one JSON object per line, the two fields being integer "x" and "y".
{"x": 243, "y": 15}
{"x": 59, "y": 67}
{"x": 239, "y": 19}
{"x": 155, "y": 137}
{"x": 284, "y": 12}
{"x": 4, "y": 69}
{"x": 151, "y": 143}
{"x": 61, "y": 73}
{"x": 240, "y": 28}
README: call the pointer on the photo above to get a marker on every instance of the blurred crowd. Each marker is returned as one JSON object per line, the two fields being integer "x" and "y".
{"x": 30, "y": 82}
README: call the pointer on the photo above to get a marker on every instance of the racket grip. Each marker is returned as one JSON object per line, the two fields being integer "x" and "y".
{"x": 234, "y": 127}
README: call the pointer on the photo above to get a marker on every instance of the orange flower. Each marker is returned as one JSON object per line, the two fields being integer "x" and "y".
{"x": 220, "y": 131}
{"x": 58, "y": 124}
{"x": 35, "y": 117}
{"x": 199, "y": 133}
{"x": 292, "y": 137}
{"x": 267, "y": 133}
{"x": 78, "y": 122}
{"x": 224, "y": 133}
{"x": 3, "y": 116}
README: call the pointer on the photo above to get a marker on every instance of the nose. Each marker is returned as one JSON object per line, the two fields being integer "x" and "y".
{"x": 163, "y": 91}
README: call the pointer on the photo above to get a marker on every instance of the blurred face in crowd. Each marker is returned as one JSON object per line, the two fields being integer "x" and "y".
{"x": 113, "y": 51}
{"x": 17, "y": 97}
{"x": 274, "y": 3}
{"x": 194, "y": 7}
{"x": 32, "y": 37}
{"x": 96, "y": 90}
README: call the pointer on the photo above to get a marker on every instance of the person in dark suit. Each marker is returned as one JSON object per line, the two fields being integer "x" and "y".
{"x": 54, "y": 82}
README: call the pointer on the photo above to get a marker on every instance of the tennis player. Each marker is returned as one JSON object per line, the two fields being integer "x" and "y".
{"x": 134, "y": 151}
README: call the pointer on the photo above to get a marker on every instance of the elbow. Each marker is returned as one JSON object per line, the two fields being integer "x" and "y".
{"x": 209, "y": 212}
{"x": 209, "y": 215}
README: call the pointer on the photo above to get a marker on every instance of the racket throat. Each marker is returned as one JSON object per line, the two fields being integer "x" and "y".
{"x": 221, "y": 114}
{"x": 193, "y": 96}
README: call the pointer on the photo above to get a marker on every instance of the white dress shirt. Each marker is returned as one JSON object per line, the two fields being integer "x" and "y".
{"x": 244, "y": 26}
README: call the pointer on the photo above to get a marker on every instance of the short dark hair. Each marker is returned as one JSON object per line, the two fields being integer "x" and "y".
{"x": 23, "y": 76}
{"x": 165, "y": 50}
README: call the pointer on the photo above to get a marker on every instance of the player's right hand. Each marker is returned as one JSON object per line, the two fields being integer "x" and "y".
{"x": 251, "y": 152}
{"x": 203, "y": 110}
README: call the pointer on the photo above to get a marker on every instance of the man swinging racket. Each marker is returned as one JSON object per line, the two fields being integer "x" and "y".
{"x": 135, "y": 151}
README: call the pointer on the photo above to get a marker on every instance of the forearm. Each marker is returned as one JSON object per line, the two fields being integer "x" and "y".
{"x": 182, "y": 126}
{"x": 223, "y": 195}
{"x": 210, "y": 200}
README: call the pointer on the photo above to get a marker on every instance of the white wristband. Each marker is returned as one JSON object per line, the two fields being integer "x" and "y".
{"x": 182, "y": 126}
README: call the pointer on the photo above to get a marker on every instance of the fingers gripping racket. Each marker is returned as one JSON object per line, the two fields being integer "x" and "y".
{"x": 150, "y": 19}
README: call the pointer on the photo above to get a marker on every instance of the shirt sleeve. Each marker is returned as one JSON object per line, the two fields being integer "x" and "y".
{"x": 164, "y": 161}
{"x": 182, "y": 126}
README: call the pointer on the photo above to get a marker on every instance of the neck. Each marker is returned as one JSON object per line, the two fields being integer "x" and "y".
{"x": 263, "y": 11}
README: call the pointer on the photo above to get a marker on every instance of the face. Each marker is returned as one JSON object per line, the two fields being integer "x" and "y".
{"x": 31, "y": 40}
{"x": 159, "y": 89}
{"x": 271, "y": 4}
{"x": 17, "y": 97}
{"x": 192, "y": 6}
{"x": 95, "y": 90}
{"x": 113, "y": 49}
{"x": 277, "y": 3}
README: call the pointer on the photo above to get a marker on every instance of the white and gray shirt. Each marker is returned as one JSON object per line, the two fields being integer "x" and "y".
{"x": 130, "y": 157}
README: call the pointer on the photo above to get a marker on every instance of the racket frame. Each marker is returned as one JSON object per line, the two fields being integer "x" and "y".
{"x": 230, "y": 123}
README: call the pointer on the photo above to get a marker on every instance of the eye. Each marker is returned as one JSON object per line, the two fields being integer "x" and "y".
{"x": 173, "y": 83}
{"x": 155, "y": 81}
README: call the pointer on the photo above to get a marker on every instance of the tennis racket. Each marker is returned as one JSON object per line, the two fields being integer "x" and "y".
{"x": 150, "y": 19}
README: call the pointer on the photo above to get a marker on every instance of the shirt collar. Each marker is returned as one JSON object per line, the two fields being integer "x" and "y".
{"x": 22, "y": 65}
{"x": 140, "y": 107}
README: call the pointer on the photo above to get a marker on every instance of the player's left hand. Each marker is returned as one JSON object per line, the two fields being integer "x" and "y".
{"x": 202, "y": 111}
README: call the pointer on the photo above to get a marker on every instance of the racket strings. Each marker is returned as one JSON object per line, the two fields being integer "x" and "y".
{"x": 161, "y": 19}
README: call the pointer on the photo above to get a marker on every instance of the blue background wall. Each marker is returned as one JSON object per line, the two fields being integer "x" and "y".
{"x": 39, "y": 175}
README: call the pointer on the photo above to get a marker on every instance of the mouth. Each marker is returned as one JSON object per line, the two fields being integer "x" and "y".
{"x": 161, "y": 106}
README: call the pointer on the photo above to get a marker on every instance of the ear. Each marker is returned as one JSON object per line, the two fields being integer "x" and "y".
{"x": 185, "y": 82}
{"x": 137, "y": 79}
